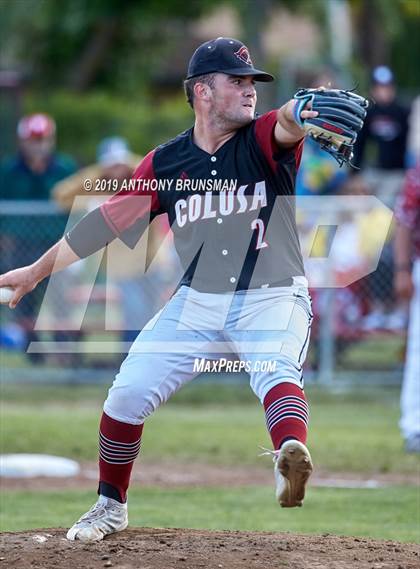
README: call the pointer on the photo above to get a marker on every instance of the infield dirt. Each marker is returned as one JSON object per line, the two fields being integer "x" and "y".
{"x": 171, "y": 474}
{"x": 148, "y": 548}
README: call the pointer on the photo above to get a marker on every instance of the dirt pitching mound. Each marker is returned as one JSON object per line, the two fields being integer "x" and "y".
{"x": 148, "y": 548}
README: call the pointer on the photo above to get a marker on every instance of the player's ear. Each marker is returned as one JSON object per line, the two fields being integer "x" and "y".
{"x": 202, "y": 91}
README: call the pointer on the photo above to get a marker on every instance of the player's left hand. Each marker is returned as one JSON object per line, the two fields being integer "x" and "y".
{"x": 306, "y": 113}
{"x": 339, "y": 119}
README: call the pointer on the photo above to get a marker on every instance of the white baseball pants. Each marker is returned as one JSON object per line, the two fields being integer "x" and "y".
{"x": 259, "y": 325}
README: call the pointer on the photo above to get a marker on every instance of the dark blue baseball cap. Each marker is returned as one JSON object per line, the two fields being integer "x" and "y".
{"x": 224, "y": 55}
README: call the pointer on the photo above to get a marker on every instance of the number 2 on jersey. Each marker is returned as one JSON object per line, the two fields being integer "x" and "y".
{"x": 258, "y": 224}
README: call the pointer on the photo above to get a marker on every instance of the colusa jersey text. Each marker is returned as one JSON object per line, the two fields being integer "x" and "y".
{"x": 232, "y": 213}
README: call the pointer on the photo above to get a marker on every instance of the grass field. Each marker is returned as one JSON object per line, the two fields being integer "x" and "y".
{"x": 220, "y": 425}
{"x": 380, "y": 513}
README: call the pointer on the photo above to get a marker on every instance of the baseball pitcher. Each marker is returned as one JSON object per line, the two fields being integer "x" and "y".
{"x": 227, "y": 187}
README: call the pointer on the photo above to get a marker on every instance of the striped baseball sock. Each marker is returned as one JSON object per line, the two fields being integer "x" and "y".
{"x": 119, "y": 445}
{"x": 286, "y": 412}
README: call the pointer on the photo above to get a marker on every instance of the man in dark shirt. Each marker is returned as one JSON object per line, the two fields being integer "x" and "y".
{"x": 386, "y": 125}
{"x": 29, "y": 176}
{"x": 37, "y": 167}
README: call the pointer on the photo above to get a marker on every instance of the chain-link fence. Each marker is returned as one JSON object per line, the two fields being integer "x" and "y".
{"x": 358, "y": 330}
{"x": 28, "y": 229}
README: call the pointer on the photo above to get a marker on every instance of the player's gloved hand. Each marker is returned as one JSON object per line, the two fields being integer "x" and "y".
{"x": 339, "y": 120}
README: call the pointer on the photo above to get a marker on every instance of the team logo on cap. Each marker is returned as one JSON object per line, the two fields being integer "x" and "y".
{"x": 243, "y": 55}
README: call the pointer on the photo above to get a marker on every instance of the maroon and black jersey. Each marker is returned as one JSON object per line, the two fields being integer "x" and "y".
{"x": 232, "y": 212}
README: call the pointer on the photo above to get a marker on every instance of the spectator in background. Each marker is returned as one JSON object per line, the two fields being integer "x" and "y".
{"x": 385, "y": 129}
{"x": 407, "y": 287}
{"x": 382, "y": 147}
{"x": 115, "y": 161}
{"x": 37, "y": 167}
{"x": 386, "y": 124}
{"x": 30, "y": 175}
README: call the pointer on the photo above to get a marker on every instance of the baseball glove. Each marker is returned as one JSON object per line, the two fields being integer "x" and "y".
{"x": 340, "y": 118}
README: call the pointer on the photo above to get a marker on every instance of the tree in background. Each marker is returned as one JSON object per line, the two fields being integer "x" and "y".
{"x": 387, "y": 33}
{"x": 82, "y": 44}
{"x": 113, "y": 67}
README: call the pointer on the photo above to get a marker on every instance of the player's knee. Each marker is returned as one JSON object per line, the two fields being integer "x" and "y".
{"x": 131, "y": 404}
{"x": 285, "y": 371}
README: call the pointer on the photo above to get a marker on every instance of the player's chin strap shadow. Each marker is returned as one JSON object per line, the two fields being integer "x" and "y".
{"x": 268, "y": 452}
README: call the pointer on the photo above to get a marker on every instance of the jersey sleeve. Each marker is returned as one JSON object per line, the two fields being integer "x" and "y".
{"x": 125, "y": 215}
{"x": 136, "y": 203}
{"x": 264, "y": 133}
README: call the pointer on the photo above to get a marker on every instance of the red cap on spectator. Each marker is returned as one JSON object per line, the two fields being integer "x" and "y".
{"x": 36, "y": 126}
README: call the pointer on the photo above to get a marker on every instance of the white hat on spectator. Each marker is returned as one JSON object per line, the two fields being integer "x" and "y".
{"x": 113, "y": 150}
